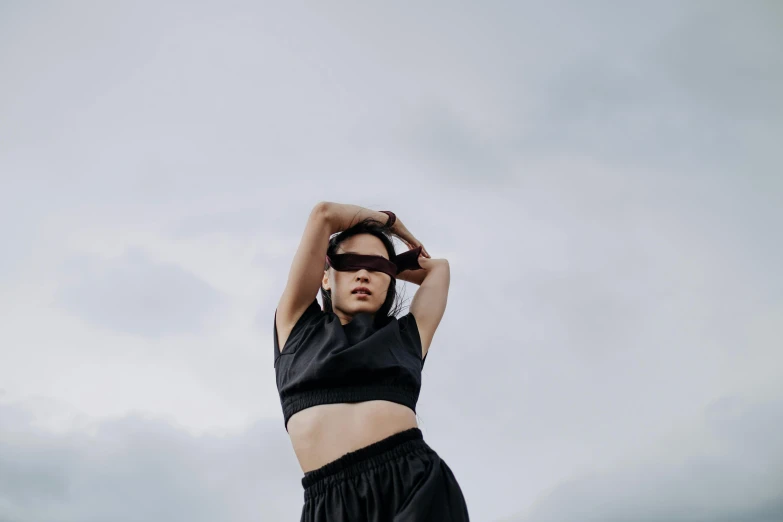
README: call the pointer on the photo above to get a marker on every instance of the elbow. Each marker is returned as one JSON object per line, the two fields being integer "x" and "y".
{"x": 446, "y": 269}
{"x": 321, "y": 207}
{"x": 322, "y": 211}
{"x": 439, "y": 264}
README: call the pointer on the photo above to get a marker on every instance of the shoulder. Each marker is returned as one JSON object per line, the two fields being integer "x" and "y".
{"x": 285, "y": 334}
{"x": 409, "y": 330}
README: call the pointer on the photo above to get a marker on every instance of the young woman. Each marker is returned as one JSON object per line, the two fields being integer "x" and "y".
{"x": 349, "y": 375}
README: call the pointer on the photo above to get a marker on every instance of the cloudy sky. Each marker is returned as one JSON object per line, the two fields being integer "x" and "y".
{"x": 602, "y": 176}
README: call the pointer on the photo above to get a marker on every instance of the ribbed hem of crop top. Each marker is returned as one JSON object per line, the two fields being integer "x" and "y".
{"x": 304, "y": 400}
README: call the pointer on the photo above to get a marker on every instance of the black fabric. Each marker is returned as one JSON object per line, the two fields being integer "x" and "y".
{"x": 397, "y": 479}
{"x": 325, "y": 362}
{"x": 408, "y": 260}
{"x": 400, "y": 263}
{"x": 351, "y": 262}
{"x": 392, "y": 218}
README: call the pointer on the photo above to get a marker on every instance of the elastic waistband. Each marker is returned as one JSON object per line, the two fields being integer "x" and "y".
{"x": 317, "y": 481}
{"x": 305, "y": 399}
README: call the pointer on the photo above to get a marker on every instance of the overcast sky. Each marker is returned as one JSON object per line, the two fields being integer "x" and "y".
{"x": 602, "y": 176}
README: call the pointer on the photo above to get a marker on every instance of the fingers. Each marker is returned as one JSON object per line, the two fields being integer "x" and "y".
{"x": 415, "y": 244}
{"x": 404, "y": 234}
{"x": 423, "y": 250}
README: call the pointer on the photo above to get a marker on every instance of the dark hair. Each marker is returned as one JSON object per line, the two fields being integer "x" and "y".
{"x": 391, "y": 306}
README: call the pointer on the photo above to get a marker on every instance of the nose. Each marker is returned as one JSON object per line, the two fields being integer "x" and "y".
{"x": 362, "y": 275}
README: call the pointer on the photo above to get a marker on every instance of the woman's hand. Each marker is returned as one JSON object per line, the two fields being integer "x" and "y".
{"x": 427, "y": 266}
{"x": 402, "y": 232}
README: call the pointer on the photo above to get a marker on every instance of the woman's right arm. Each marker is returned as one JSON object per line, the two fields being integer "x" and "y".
{"x": 307, "y": 268}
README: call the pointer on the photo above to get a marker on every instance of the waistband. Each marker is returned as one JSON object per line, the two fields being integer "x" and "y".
{"x": 302, "y": 400}
{"x": 319, "y": 480}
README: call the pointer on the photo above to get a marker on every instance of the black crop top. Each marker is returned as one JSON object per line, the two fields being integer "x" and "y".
{"x": 326, "y": 362}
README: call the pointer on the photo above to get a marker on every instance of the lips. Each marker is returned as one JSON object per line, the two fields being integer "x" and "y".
{"x": 361, "y": 290}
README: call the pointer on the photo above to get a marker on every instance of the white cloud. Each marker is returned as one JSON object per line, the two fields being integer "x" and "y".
{"x": 141, "y": 468}
{"x": 135, "y": 295}
{"x": 729, "y": 466}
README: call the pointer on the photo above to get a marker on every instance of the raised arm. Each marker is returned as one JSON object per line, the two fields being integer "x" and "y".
{"x": 429, "y": 302}
{"x": 307, "y": 268}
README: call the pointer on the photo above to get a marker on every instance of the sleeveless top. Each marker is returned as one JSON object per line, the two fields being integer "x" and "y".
{"x": 326, "y": 362}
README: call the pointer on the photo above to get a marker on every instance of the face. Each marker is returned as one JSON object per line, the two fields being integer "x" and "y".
{"x": 343, "y": 285}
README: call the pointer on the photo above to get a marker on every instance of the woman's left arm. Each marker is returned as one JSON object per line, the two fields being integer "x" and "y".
{"x": 429, "y": 303}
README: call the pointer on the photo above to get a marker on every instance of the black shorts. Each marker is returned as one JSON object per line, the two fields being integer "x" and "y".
{"x": 397, "y": 479}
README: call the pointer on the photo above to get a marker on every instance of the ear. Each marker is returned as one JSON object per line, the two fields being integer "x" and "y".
{"x": 325, "y": 280}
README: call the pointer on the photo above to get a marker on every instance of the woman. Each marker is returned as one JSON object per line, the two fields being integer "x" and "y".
{"x": 349, "y": 375}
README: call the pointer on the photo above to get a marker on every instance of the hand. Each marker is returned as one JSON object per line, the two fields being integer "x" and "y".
{"x": 417, "y": 276}
{"x": 404, "y": 234}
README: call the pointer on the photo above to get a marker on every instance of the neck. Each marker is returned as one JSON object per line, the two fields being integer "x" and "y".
{"x": 343, "y": 317}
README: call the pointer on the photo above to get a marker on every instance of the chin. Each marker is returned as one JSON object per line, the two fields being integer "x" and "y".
{"x": 366, "y": 307}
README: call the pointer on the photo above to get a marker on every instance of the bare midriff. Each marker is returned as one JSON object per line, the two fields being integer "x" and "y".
{"x": 322, "y": 434}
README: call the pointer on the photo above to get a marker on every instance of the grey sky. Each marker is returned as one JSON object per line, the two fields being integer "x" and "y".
{"x": 604, "y": 179}
{"x": 131, "y": 294}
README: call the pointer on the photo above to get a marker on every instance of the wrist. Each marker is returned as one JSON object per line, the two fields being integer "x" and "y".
{"x": 429, "y": 264}
{"x": 342, "y": 216}
{"x": 392, "y": 218}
